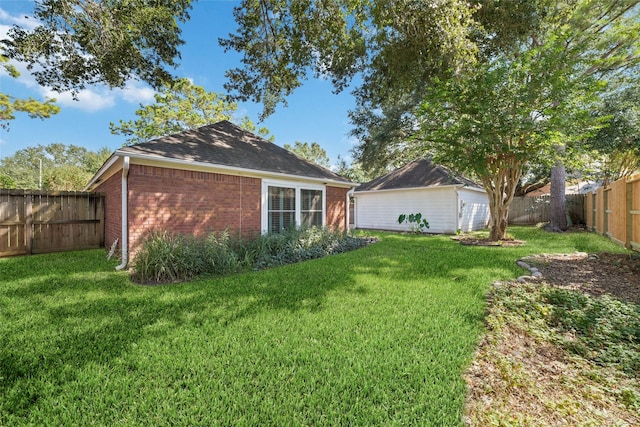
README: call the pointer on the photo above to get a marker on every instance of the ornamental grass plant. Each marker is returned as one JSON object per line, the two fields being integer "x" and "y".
{"x": 166, "y": 257}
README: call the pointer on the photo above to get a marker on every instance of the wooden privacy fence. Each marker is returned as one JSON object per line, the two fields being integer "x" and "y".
{"x": 533, "y": 210}
{"x": 614, "y": 211}
{"x": 33, "y": 222}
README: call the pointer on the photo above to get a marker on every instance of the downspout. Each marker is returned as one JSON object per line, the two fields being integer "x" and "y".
{"x": 457, "y": 209}
{"x": 348, "y": 215}
{"x": 124, "y": 241}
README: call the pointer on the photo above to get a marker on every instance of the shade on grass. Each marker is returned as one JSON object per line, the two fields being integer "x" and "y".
{"x": 377, "y": 336}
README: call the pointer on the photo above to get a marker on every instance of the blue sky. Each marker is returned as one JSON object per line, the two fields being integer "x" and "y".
{"x": 314, "y": 113}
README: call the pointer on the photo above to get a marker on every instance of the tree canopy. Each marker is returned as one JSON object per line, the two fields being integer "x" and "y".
{"x": 180, "y": 106}
{"x": 75, "y": 43}
{"x": 532, "y": 101}
{"x": 617, "y": 144}
{"x": 395, "y": 45}
{"x": 9, "y": 105}
{"x": 312, "y": 152}
{"x": 64, "y": 167}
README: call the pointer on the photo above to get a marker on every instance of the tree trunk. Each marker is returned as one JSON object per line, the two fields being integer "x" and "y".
{"x": 500, "y": 186}
{"x": 498, "y": 222}
{"x": 558, "y": 220}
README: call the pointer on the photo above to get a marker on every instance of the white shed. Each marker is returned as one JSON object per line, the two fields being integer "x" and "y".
{"x": 449, "y": 202}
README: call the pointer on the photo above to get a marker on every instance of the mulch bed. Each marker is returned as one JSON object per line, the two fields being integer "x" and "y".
{"x": 475, "y": 241}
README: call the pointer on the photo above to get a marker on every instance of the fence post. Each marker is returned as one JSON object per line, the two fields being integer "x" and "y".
{"x": 28, "y": 226}
{"x": 594, "y": 212}
{"x": 607, "y": 211}
{"x": 629, "y": 215}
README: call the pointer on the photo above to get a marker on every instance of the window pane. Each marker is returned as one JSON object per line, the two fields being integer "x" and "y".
{"x": 281, "y": 210}
{"x": 311, "y": 200}
{"x": 312, "y": 219}
{"x": 279, "y": 221}
{"x": 311, "y": 210}
{"x": 281, "y": 198}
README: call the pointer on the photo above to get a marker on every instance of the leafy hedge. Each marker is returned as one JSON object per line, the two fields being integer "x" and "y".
{"x": 166, "y": 257}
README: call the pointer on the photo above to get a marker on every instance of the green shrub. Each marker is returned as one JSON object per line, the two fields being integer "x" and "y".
{"x": 165, "y": 257}
{"x": 295, "y": 245}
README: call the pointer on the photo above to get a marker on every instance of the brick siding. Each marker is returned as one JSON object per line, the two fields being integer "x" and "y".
{"x": 336, "y": 213}
{"x": 193, "y": 202}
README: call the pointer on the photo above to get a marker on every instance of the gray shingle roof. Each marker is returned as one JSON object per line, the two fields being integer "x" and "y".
{"x": 417, "y": 174}
{"x": 226, "y": 144}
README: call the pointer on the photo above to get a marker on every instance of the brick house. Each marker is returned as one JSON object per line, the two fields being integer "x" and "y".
{"x": 214, "y": 178}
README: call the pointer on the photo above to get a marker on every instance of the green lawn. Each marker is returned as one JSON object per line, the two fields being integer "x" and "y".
{"x": 377, "y": 336}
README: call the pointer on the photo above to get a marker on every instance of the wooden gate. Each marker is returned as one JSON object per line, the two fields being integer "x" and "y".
{"x": 33, "y": 222}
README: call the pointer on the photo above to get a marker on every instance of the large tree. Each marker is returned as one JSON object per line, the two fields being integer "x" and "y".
{"x": 486, "y": 86}
{"x": 491, "y": 126}
{"x": 64, "y": 167}
{"x": 75, "y": 43}
{"x": 533, "y": 99}
{"x": 180, "y": 106}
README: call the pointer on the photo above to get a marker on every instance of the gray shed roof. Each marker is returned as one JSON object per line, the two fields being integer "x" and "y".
{"x": 226, "y": 144}
{"x": 417, "y": 174}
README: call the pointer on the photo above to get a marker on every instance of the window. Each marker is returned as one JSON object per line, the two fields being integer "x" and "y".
{"x": 281, "y": 211}
{"x": 287, "y": 204}
{"x": 311, "y": 211}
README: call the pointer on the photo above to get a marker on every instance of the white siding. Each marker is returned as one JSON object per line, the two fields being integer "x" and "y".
{"x": 474, "y": 210}
{"x": 380, "y": 210}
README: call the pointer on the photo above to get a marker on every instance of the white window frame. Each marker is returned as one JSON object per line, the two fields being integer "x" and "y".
{"x": 298, "y": 186}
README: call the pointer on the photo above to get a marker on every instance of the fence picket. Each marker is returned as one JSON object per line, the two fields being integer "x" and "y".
{"x": 616, "y": 212}
{"x": 533, "y": 210}
{"x": 39, "y": 222}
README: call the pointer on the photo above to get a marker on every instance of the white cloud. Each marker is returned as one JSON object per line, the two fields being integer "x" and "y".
{"x": 88, "y": 99}
{"x": 25, "y": 21}
{"x": 4, "y": 29}
{"x": 135, "y": 93}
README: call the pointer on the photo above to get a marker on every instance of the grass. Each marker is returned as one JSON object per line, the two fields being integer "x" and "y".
{"x": 377, "y": 336}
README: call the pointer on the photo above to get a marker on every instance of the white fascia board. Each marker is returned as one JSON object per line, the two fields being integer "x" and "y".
{"x": 389, "y": 190}
{"x": 229, "y": 170}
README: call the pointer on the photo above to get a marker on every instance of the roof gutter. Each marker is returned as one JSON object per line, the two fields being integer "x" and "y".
{"x": 124, "y": 241}
{"x": 458, "y": 213}
{"x": 229, "y": 169}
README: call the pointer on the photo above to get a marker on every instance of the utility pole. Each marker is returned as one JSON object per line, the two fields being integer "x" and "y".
{"x": 40, "y": 179}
